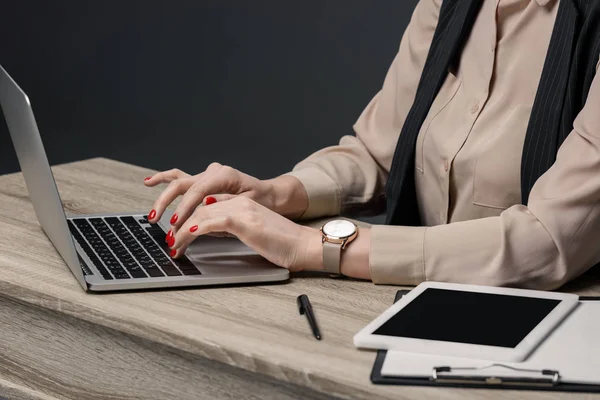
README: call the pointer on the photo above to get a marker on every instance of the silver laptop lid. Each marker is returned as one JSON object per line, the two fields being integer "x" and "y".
{"x": 36, "y": 170}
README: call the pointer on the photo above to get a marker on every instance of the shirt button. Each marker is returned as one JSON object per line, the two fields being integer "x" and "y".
{"x": 446, "y": 165}
{"x": 474, "y": 108}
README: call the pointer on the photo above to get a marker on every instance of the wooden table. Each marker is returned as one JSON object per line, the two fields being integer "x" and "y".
{"x": 56, "y": 341}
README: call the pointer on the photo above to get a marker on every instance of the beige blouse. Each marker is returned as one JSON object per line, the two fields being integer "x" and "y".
{"x": 468, "y": 160}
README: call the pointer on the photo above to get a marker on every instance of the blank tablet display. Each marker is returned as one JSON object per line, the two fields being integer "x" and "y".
{"x": 468, "y": 317}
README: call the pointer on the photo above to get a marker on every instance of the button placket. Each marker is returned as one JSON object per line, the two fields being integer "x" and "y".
{"x": 445, "y": 184}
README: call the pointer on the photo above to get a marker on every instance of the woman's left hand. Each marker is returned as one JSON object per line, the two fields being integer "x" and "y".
{"x": 273, "y": 236}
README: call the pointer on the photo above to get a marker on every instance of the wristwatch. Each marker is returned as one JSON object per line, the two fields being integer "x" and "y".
{"x": 336, "y": 236}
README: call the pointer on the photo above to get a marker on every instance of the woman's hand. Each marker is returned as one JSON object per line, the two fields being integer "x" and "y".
{"x": 284, "y": 195}
{"x": 273, "y": 236}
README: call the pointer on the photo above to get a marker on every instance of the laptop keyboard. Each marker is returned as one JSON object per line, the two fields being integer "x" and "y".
{"x": 121, "y": 248}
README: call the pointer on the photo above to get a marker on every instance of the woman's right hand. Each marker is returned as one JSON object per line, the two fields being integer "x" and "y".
{"x": 285, "y": 195}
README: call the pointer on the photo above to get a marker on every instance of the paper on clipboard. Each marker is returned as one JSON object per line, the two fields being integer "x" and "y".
{"x": 572, "y": 349}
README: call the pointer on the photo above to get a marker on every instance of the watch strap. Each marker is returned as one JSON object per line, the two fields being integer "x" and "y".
{"x": 332, "y": 253}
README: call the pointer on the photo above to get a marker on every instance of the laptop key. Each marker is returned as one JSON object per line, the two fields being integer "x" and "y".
{"x": 183, "y": 262}
{"x": 159, "y": 236}
{"x": 191, "y": 271}
{"x": 154, "y": 272}
{"x": 171, "y": 271}
{"x": 152, "y": 241}
{"x": 138, "y": 274}
{"x": 106, "y": 257}
{"x": 88, "y": 251}
{"x": 129, "y": 221}
{"x": 140, "y": 257}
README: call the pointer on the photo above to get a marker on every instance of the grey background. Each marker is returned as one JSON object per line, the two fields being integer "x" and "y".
{"x": 258, "y": 85}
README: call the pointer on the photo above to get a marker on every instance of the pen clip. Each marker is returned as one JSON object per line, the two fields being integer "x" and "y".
{"x": 494, "y": 379}
{"x": 301, "y": 307}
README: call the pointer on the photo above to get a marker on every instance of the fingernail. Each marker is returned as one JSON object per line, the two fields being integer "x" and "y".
{"x": 210, "y": 200}
{"x": 169, "y": 236}
{"x": 173, "y": 253}
{"x": 152, "y": 214}
{"x": 174, "y": 218}
{"x": 148, "y": 178}
{"x": 171, "y": 242}
{"x": 194, "y": 228}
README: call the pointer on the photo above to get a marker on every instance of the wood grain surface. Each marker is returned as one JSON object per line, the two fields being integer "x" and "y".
{"x": 256, "y": 328}
{"x": 104, "y": 363}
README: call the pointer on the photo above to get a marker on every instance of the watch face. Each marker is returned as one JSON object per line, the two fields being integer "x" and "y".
{"x": 339, "y": 228}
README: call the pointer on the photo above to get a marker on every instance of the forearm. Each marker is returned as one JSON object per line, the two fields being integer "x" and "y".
{"x": 341, "y": 179}
{"x": 515, "y": 249}
{"x": 288, "y": 196}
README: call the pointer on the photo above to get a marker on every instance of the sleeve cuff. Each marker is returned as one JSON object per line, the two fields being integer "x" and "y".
{"x": 323, "y": 193}
{"x": 397, "y": 255}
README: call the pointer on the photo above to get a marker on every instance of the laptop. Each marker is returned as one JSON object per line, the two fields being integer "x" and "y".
{"x": 123, "y": 251}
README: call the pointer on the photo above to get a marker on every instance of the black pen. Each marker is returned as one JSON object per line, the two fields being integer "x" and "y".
{"x": 305, "y": 308}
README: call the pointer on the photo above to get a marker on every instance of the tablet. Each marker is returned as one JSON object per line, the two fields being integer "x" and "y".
{"x": 481, "y": 322}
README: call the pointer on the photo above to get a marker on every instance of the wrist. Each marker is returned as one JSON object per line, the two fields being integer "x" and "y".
{"x": 314, "y": 250}
{"x": 355, "y": 258}
{"x": 288, "y": 196}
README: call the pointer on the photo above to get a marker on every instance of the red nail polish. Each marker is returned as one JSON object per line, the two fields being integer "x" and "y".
{"x": 194, "y": 228}
{"x": 152, "y": 214}
{"x": 210, "y": 200}
{"x": 169, "y": 236}
{"x": 174, "y": 218}
{"x": 148, "y": 178}
{"x": 173, "y": 253}
{"x": 171, "y": 242}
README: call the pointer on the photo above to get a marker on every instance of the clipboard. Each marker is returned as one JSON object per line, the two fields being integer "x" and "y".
{"x": 545, "y": 380}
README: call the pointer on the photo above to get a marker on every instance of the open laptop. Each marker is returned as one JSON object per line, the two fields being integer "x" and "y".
{"x": 111, "y": 252}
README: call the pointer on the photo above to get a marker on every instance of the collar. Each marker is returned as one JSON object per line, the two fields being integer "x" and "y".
{"x": 542, "y": 2}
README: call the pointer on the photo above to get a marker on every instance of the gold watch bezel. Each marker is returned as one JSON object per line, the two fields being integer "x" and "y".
{"x": 343, "y": 240}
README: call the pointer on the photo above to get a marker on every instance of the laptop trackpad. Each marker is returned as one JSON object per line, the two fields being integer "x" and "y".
{"x": 206, "y": 248}
{"x": 213, "y": 254}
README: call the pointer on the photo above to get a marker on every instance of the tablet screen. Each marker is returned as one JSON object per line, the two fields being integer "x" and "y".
{"x": 468, "y": 317}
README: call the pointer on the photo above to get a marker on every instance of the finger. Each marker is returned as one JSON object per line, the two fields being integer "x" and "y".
{"x": 178, "y": 253}
{"x": 207, "y": 201}
{"x": 217, "y": 218}
{"x": 170, "y": 239}
{"x": 165, "y": 177}
{"x": 218, "y": 225}
{"x": 211, "y": 170}
{"x": 171, "y": 236}
{"x": 224, "y": 180}
{"x": 175, "y": 189}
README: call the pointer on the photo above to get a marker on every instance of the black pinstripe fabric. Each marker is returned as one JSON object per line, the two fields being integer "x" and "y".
{"x": 541, "y": 141}
{"x": 455, "y": 23}
{"x": 569, "y": 69}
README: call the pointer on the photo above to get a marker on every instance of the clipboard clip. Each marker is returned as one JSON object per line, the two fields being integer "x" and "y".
{"x": 549, "y": 377}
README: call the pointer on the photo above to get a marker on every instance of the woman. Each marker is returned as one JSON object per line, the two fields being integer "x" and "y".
{"x": 467, "y": 166}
